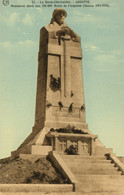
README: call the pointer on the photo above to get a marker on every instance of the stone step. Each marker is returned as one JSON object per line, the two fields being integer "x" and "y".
{"x": 103, "y": 184}
{"x": 86, "y": 157}
{"x": 95, "y": 170}
{"x": 88, "y": 161}
{"x": 88, "y": 177}
{"x": 63, "y": 193}
{"x": 87, "y": 165}
{"x": 101, "y": 180}
{"x": 100, "y": 189}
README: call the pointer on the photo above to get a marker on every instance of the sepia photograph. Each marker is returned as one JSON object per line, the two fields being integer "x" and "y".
{"x": 62, "y": 97}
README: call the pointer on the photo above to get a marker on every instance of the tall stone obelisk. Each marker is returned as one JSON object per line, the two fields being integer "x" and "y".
{"x": 60, "y": 93}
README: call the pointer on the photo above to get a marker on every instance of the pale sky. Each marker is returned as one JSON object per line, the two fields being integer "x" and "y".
{"x": 102, "y": 33}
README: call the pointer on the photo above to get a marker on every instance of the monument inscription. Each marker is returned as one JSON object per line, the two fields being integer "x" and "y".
{"x": 64, "y": 112}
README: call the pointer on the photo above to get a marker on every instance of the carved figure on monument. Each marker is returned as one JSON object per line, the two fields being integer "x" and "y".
{"x": 58, "y": 28}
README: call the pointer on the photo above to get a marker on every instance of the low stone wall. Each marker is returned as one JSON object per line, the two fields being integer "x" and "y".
{"x": 35, "y": 188}
{"x": 116, "y": 161}
{"x": 62, "y": 167}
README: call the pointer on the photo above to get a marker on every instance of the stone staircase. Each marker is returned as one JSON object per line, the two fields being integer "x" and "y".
{"x": 95, "y": 174}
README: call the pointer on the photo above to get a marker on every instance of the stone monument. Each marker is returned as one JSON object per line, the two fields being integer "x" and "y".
{"x": 60, "y": 127}
{"x": 60, "y": 108}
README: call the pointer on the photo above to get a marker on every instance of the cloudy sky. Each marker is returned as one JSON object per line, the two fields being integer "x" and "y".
{"x": 102, "y": 33}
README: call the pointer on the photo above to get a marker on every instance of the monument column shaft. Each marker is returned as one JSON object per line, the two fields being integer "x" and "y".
{"x": 61, "y": 59}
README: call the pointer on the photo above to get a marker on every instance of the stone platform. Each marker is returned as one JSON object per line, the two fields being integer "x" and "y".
{"x": 96, "y": 175}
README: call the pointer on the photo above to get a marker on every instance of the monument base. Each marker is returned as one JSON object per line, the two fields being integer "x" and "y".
{"x": 41, "y": 142}
{"x": 38, "y": 143}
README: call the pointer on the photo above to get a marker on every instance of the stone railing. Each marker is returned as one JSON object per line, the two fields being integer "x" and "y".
{"x": 62, "y": 167}
{"x": 116, "y": 161}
